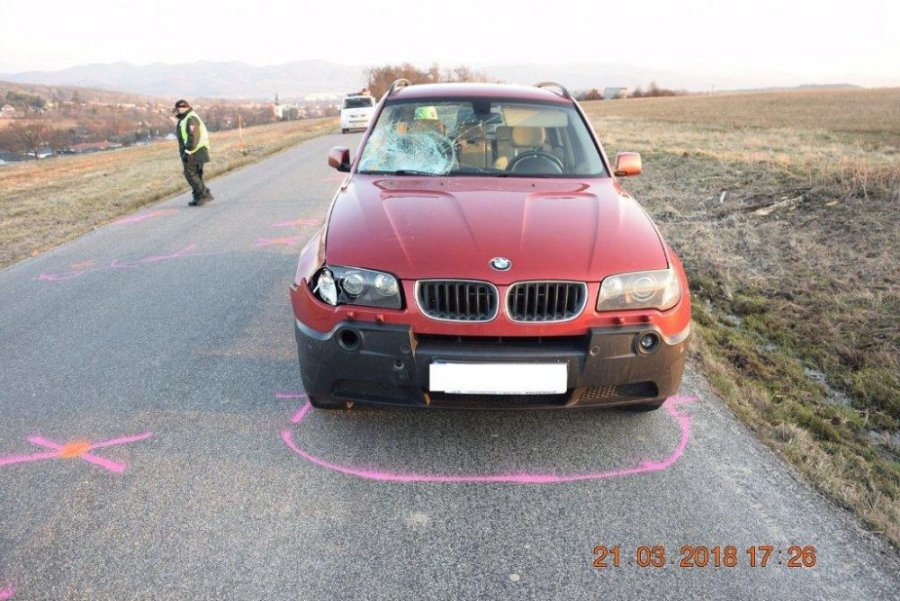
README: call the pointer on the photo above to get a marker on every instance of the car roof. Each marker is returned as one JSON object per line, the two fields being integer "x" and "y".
{"x": 440, "y": 91}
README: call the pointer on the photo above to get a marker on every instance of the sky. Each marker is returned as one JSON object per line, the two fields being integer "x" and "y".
{"x": 826, "y": 41}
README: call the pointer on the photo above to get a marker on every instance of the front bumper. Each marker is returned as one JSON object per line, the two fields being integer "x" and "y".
{"x": 389, "y": 364}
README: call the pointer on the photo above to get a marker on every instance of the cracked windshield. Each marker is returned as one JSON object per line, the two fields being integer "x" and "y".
{"x": 473, "y": 137}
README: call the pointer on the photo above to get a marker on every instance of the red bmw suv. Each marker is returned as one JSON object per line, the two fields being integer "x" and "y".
{"x": 481, "y": 253}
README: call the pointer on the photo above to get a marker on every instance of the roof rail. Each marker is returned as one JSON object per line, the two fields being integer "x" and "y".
{"x": 560, "y": 89}
{"x": 398, "y": 85}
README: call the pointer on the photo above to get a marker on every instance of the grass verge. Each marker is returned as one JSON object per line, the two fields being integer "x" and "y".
{"x": 46, "y": 203}
{"x": 789, "y": 238}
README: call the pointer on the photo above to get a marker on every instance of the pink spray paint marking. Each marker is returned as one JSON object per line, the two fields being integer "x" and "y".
{"x": 90, "y": 263}
{"x": 59, "y": 452}
{"x": 59, "y": 277}
{"x": 143, "y": 217}
{"x": 671, "y": 407}
{"x": 298, "y": 223}
{"x": 7, "y": 593}
{"x": 186, "y": 252}
{"x": 116, "y": 264}
{"x": 284, "y": 241}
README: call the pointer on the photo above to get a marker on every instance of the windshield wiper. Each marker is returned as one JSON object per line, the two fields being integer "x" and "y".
{"x": 401, "y": 172}
{"x": 484, "y": 171}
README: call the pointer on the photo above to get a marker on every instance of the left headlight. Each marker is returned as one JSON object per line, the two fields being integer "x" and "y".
{"x": 640, "y": 290}
{"x": 354, "y": 286}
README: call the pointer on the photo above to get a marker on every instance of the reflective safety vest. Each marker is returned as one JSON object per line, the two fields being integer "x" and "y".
{"x": 201, "y": 137}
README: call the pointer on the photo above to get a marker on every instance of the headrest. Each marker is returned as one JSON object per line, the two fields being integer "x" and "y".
{"x": 528, "y": 136}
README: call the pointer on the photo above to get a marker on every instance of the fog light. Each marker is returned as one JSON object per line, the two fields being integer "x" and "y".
{"x": 348, "y": 339}
{"x": 648, "y": 342}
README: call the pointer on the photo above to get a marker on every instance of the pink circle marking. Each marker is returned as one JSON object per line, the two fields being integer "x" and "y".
{"x": 671, "y": 407}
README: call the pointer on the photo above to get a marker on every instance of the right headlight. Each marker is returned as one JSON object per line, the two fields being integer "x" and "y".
{"x": 640, "y": 290}
{"x": 355, "y": 286}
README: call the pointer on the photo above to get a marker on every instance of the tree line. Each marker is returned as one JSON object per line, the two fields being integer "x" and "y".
{"x": 652, "y": 91}
{"x": 41, "y": 126}
{"x": 379, "y": 79}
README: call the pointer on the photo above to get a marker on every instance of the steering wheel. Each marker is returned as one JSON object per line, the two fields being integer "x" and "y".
{"x": 434, "y": 149}
{"x": 537, "y": 162}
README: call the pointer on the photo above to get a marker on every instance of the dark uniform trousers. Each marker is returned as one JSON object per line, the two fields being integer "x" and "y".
{"x": 193, "y": 173}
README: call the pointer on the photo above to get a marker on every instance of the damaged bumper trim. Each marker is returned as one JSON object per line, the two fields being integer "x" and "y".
{"x": 389, "y": 364}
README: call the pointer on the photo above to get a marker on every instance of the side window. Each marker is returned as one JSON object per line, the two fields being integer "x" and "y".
{"x": 580, "y": 159}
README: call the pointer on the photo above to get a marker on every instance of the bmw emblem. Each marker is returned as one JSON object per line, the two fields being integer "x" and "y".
{"x": 501, "y": 263}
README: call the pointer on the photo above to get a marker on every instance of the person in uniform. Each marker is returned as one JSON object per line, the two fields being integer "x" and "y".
{"x": 193, "y": 146}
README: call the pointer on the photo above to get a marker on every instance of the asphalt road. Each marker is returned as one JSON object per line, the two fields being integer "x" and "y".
{"x": 150, "y": 448}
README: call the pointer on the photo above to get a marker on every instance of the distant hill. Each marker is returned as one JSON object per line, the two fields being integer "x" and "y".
{"x": 584, "y": 76}
{"x": 66, "y": 93}
{"x": 208, "y": 79}
{"x": 299, "y": 79}
{"x": 303, "y": 78}
{"x": 810, "y": 87}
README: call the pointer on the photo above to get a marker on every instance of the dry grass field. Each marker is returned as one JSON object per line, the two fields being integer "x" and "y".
{"x": 785, "y": 208}
{"x": 45, "y": 203}
{"x": 860, "y": 112}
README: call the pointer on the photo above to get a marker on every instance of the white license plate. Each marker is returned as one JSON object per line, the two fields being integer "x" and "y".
{"x": 498, "y": 378}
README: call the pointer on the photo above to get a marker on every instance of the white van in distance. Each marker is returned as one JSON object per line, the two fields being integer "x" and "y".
{"x": 356, "y": 112}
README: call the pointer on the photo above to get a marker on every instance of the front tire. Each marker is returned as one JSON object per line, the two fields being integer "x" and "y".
{"x": 344, "y": 130}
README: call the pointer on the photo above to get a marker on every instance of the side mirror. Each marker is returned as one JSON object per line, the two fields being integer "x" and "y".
{"x": 339, "y": 158}
{"x": 628, "y": 163}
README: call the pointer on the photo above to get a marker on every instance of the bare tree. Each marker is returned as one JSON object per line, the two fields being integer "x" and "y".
{"x": 462, "y": 74}
{"x": 592, "y": 94}
{"x": 29, "y": 135}
{"x": 381, "y": 78}
{"x": 434, "y": 73}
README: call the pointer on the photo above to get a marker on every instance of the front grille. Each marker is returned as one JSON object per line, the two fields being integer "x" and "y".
{"x": 546, "y": 301}
{"x": 457, "y": 300}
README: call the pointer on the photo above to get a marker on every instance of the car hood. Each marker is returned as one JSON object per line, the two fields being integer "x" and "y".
{"x": 452, "y": 227}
